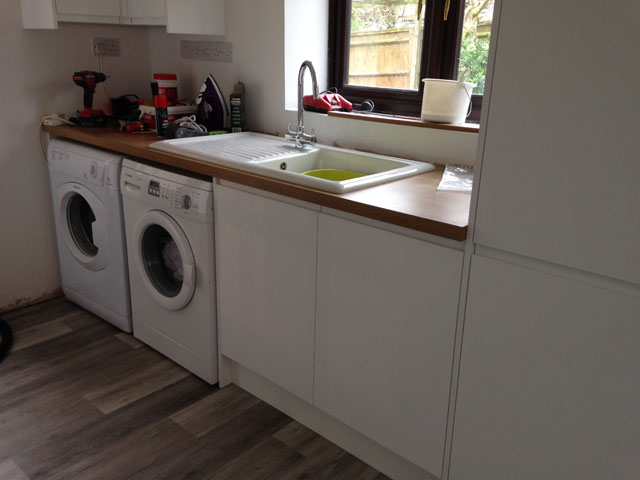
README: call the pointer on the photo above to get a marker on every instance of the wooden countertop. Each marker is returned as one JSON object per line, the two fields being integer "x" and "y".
{"x": 412, "y": 202}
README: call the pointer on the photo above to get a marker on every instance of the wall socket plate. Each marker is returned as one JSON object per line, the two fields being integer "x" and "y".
{"x": 205, "y": 50}
{"x": 108, "y": 47}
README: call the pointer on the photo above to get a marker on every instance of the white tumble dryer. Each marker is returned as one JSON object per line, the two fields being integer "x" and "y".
{"x": 169, "y": 230}
{"x": 90, "y": 229}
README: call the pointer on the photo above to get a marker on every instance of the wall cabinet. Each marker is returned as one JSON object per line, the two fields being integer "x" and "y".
{"x": 549, "y": 379}
{"x": 97, "y": 11}
{"x": 137, "y": 12}
{"x": 146, "y": 12}
{"x": 266, "y": 264}
{"x": 205, "y": 17}
{"x": 386, "y": 317}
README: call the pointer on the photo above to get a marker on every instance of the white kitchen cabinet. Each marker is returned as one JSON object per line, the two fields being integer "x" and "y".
{"x": 47, "y": 13}
{"x": 146, "y": 12}
{"x": 206, "y": 17}
{"x": 94, "y": 11}
{"x": 549, "y": 385}
{"x": 386, "y": 316}
{"x": 560, "y": 164}
{"x": 266, "y": 265}
{"x": 38, "y": 14}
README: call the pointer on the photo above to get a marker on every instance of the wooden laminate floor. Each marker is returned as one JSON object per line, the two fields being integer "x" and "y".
{"x": 81, "y": 400}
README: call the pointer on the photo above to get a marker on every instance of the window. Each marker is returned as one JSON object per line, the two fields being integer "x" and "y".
{"x": 382, "y": 49}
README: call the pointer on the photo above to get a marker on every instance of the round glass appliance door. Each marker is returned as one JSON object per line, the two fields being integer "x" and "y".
{"x": 165, "y": 260}
{"x": 82, "y": 222}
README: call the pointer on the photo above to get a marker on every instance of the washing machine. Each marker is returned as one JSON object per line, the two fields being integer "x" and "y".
{"x": 169, "y": 231}
{"x": 90, "y": 229}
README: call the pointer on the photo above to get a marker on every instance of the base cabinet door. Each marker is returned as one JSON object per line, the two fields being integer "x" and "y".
{"x": 386, "y": 317}
{"x": 549, "y": 385}
{"x": 266, "y": 255}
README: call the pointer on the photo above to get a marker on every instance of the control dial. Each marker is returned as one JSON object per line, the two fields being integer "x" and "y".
{"x": 185, "y": 202}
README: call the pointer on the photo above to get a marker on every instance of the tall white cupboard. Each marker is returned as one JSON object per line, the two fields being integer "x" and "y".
{"x": 549, "y": 373}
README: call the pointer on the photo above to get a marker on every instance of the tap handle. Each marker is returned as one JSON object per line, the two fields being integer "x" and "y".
{"x": 309, "y": 137}
{"x": 290, "y": 131}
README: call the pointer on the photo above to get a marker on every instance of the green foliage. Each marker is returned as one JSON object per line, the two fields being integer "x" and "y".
{"x": 373, "y": 17}
{"x": 474, "y": 52}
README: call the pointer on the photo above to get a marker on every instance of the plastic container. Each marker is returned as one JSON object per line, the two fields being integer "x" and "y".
{"x": 173, "y": 113}
{"x": 167, "y": 86}
{"x": 446, "y": 101}
{"x": 162, "y": 118}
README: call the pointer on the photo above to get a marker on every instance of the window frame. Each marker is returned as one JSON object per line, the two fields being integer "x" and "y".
{"x": 440, "y": 51}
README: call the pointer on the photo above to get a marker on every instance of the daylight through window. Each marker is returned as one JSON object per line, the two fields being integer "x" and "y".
{"x": 382, "y": 49}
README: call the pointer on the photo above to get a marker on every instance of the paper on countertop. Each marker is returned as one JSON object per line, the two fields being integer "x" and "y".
{"x": 456, "y": 179}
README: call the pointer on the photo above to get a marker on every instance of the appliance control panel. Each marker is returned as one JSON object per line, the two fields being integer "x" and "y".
{"x": 79, "y": 166}
{"x": 177, "y": 198}
{"x": 168, "y": 196}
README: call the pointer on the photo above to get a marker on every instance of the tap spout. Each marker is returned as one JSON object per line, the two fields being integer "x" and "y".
{"x": 305, "y": 65}
{"x": 299, "y": 136}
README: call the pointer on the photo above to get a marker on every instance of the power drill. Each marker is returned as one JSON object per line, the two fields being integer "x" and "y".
{"x": 89, "y": 117}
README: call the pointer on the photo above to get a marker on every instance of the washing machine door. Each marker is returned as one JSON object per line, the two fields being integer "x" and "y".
{"x": 83, "y": 224}
{"x": 165, "y": 260}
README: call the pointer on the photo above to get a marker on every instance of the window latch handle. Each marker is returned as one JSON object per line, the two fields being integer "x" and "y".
{"x": 447, "y": 4}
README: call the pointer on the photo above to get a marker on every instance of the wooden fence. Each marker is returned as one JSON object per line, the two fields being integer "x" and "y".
{"x": 385, "y": 58}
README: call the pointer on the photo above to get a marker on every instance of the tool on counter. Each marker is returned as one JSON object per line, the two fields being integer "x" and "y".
{"x": 162, "y": 116}
{"x": 174, "y": 113}
{"x": 89, "y": 116}
{"x": 160, "y": 104}
{"x": 126, "y": 109}
{"x": 212, "y": 108}
{"x": 186, "y": 127}
{"x": 167, "y": 86}
{"x": 236, "y": 102}
{"x": 331, "y": 101}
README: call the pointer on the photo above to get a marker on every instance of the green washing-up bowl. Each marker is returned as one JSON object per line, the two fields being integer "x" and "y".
{"x": 333, "y": 174}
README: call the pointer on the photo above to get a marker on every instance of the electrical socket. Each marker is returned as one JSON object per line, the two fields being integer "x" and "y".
{"x": 204, "y": 50}
{"x": 108, "y": 47}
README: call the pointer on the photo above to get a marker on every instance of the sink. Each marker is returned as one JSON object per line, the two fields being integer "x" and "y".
{"x": 369, "y": 169}
{"x": 322, "y": 167}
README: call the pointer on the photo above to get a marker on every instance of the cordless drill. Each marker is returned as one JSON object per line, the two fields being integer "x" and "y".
{"x": 89, "y": 116}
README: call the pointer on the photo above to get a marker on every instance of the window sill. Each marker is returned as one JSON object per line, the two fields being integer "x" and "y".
{"x": 407, "y": 121}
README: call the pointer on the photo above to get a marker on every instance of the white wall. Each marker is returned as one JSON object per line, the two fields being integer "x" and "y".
{"x": 35, "y": 79}
{"x": 256, "y": 28}
{"x": 36, "y": 68}
{"x": 305, "y": 40}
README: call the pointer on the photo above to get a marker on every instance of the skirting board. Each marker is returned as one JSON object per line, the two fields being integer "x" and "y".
{"x": 346, "y": 438}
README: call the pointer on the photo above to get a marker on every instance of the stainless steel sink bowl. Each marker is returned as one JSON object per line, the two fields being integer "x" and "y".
{"x": 276, "y": 158}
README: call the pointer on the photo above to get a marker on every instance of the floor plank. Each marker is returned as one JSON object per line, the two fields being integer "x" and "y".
{"x": 9, "y": 470}
{"x": 267, "y": 460}
{"x": 92, "y": 438}
{"x": 39, "y": 333}
{"x": 136, "y": 385}
{"x": 295, "y": 435}
{"x": 80, "y": 399}
{"x": 223, "y": 444}
{"x": 130, "y": 340}
{"x": 214, "y": 410}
